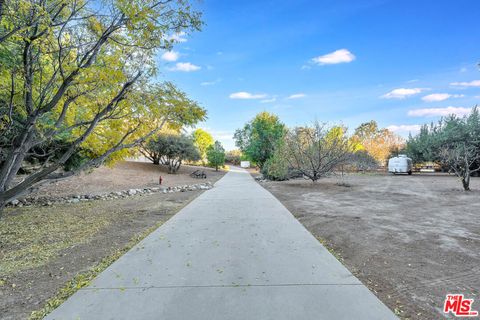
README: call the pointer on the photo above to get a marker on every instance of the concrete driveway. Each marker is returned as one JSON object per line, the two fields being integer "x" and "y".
{"x": 235, "y": 252}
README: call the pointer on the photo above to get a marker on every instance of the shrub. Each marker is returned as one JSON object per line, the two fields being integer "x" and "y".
{"x": 216, "y": 155}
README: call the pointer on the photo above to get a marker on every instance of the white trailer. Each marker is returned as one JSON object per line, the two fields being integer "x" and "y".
{"x": 245, "y": 164}
{"x": 400, "y": 164}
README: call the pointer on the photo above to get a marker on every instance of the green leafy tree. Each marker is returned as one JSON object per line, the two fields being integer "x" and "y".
{"x": 258, "y": 138}
{"x": 203, "y": 140}
{"x": 453, "y": 142}
{"x": 171, "y": 150}
{"x": 216, "y": 155}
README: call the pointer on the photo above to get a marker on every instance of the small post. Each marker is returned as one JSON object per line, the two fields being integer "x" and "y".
{"x": 160, "y": 180}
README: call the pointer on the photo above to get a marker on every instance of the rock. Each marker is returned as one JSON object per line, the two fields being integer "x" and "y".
{"x": 132, "y": 192}
{"x": 75, "y": 200}
{"x": 14, "y": 202}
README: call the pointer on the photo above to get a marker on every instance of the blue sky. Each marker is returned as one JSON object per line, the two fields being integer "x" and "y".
{"x": 401, "y": 63}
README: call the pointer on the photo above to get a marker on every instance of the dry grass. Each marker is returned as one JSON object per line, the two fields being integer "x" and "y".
{"x": 83, "y": 279}
{"x": 33, "y": 235}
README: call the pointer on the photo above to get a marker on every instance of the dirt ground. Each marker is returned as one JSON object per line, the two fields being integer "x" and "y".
{"x": 410, "y": 239}
{"x": 42, "y": 248}
{"x": 123, "y": 176}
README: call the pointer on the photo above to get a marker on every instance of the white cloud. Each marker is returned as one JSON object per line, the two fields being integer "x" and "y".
{"x": 435, "y": 112}
{"x": 247, "y": 95}
{"x": 185, "y": 67}
{"x": 440, "y": 97}
{"x": 269, "y": 100}
{"x": 170, "y": 56}
{"x": 338, "y": 56}
{"x": 297, "y": 96}
{"x": 177, "y": 37}
{"x": 405, "y": 128}
{"x": 210, "y": 83}
{"x": 402, "y": 93}
{"x": 474, "y": 83}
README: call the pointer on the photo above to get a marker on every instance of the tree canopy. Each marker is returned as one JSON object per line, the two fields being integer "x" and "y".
{"x": 75, "y": 82}
{"x": 216, "y": 155}
{"x": 257, "y": 139}
{"x": 379, "y": 143}
{"x": 172, "y": 149}
{"x": 453, "y": 142}
{"x": 203, "y": 140}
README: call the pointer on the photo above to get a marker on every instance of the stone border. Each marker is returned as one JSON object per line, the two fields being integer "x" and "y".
{"x": 48, "y": 201}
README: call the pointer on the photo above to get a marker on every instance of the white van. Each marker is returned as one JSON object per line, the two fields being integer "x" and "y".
{"x": 400, "y": 164}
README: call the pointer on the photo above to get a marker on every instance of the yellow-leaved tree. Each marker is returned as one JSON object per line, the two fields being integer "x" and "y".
{"x": 76, "y": 83}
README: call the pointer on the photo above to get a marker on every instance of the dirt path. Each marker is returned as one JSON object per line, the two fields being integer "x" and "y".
{"x": 410, "y": 239}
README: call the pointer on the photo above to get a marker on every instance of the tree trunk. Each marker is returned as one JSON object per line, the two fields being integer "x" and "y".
{"x": 466, "y": 180}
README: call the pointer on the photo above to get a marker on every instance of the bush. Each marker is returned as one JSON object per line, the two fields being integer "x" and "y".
{"x": 276, "y": 167}
{"x": 363, "y": 161}
{"x": 234, "y": 157}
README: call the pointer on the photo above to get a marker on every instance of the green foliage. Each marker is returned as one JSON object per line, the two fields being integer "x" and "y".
{"x": 203, "y": 140}
{"x": 453, "y": 142}
{"x": 234, "y": 157}
{"x": 216, "y": 155}
{"x": 258, "y": 138}
{"x": 276, "y": 167}
{"x": 172, "y": 150}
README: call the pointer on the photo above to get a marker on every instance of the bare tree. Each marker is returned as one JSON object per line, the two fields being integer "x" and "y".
{"x": 463, "y": 159}
{"x": 317, "y": 151}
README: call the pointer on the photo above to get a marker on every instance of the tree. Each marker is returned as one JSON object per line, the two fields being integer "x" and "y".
{"x": 75, "y": 79}
{"x": 454, "y": 142}
{"x": 379, "y": 143}
{"x": 234, "y": 157}
{"x": 316, "y": 151}
{"x": 203, "y": 140}
{"x": 216, "y": 155}
{"x": 172, "y": 149}
{"x": 258, "y": 138}
{"x": 362, "y": 161}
